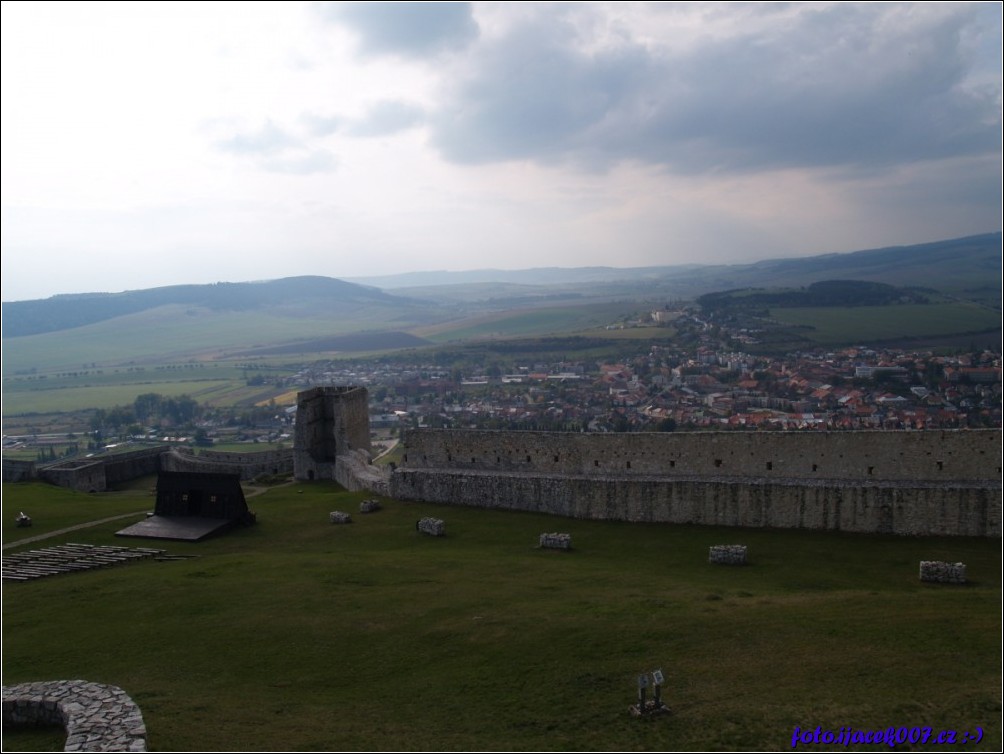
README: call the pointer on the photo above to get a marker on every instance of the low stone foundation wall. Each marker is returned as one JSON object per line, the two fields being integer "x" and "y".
{"x": 97, "y": 717}
{"x": 941, "y": 572}
{"x": 727, "y": 554}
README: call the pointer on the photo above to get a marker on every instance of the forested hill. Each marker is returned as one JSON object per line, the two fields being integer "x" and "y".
{"x": 292, "y": 295}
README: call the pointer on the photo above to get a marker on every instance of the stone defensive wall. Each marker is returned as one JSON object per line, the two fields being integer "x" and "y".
{"x": 944, "y": 483}
{"x": 97, "y": 474}
{"x": 18, "y": 471}
{"x": 248, "y": 465}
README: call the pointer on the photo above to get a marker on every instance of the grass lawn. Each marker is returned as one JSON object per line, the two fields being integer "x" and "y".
{"x": 300, "y": 635}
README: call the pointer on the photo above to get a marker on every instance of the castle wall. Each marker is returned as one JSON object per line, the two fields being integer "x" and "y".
{"x": 247, "y": 465}
{"x": 18, "y": 471}
{"x": 98, "y": 474}
{"x": 961, "y": 455}
{"x": 890, "y": 507}
{"x": 83, "y": 476}
{"x": 122, "y": 467}
{"x": 889, "y": 482}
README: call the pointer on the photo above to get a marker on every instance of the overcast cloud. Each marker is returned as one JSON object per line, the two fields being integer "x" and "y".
{"x": 151, "y": 144}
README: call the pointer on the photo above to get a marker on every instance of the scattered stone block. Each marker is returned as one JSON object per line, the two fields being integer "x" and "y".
{"x": 369, "y": 506}
{"x": 339, "y": 517}
{"x": 23, "y": 521}
{"x": 556, "y": 541}
{"x": 942, "y": 573}
{"x": 434, "y": 527}
{"x": 727, "y": 554}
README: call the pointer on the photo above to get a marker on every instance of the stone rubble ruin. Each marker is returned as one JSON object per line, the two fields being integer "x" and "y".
{"x": 338, "y": 517}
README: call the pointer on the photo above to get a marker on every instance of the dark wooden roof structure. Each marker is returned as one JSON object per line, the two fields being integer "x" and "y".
{"x": 192, "y": 506}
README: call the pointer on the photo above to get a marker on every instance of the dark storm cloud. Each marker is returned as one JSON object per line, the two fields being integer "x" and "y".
{"x": 387, "y": 117}
{"x": 409, "y": 29}
{"x": 854, "y": 85}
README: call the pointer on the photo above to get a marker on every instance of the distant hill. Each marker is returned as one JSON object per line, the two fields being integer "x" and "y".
{"x": 306, "y": 296}
{"x": 534, "y": 276}
{"x": 319, "y": 313}
{"x": 973, "y": 262}
{"x": 825, "y": 293}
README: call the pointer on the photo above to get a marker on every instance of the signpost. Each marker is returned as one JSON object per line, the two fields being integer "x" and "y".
{"x": 654, "y": 706}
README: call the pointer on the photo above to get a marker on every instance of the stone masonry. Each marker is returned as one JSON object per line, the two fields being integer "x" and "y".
{"x": 895, "y": 482}
{"x": 555, "y": 541}
{"x": 944, "y": 573}
{"x": 727, "y": 554}
{"x": 434, "y": 527}
{"x": 97, "y": 717}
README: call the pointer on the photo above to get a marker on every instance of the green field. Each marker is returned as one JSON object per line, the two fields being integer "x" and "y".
{"x": 209, "y": 384}
{"x": 544, "y": 321}
{"x": 299, "y": 635}
{"x": 166, "y": 334}
{"x": 867, "y": 324}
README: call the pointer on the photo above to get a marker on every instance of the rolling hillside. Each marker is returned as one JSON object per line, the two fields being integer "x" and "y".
{"x": 312, "y": 315}
{"x": 971, "y": 264}
{"x": 307, "y": 297}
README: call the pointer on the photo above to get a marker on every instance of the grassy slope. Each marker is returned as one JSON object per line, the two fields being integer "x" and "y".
{"x": 173, "y": 333}
{"x": 210, "y": 384}
{"x": 871, "y": 323}
{"x": 300, "y": 635}
{"x": 541, "y": 321}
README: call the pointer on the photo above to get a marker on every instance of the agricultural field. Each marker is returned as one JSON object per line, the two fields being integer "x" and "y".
{"x": 209, "y": 384}
{"x": 173, "y": 333}
{"x": 527, "y": 322}
{"x": 867, "y": 324}
{"x": 299, "y": 635}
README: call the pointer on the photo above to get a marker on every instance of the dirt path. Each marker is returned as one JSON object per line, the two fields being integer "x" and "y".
{"x": 88, "y": 524}
{"x": 68, "y": 529}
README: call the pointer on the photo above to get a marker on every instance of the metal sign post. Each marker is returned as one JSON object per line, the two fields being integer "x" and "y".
{"x": 656, "y": 705}
{"x": 657, "y": 677}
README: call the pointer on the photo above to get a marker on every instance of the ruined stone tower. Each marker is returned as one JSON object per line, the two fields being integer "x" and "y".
{"x": 330, "y": 422}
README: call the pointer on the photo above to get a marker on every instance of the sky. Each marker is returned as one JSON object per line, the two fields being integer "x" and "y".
{"x": 149, "y": 144}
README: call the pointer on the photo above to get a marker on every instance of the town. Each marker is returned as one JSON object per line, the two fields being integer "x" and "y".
{"x": 694, "y": 376}
{"x": 696, "y": 383}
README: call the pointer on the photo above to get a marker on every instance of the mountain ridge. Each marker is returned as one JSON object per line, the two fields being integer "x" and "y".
{"x": 953, "y": 263}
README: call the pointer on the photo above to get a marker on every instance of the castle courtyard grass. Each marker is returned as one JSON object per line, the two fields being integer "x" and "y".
{"x": 300, "y": 635}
